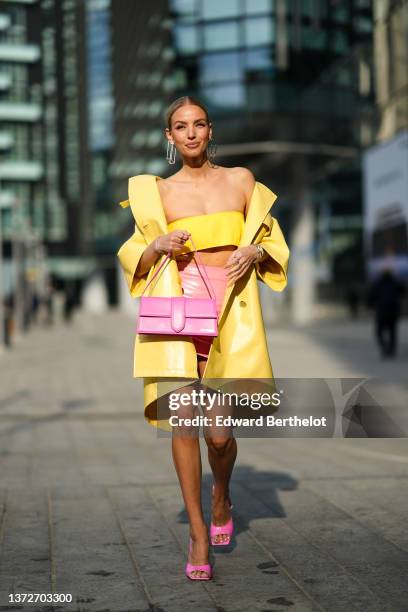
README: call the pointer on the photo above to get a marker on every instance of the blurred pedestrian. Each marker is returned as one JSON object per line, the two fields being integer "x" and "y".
{"x": 353, "y": 300}
{"x": 385, "y": 296}
{"x": 6, "y": 329}
{"x": 47, "y": 301}
{"x": 27, "y": 309}
{"x": 8, "y": 320}
{"x": 35, "y": 305}
{"x": 69, "y": 302}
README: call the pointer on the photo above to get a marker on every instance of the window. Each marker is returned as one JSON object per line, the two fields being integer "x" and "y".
{"x": 255, "y": 7}
{"x": 363, "y": 25}
{"x": 340, "y": 14}
{"x": 155, "y": 108}
{"x": 314, "y": 39}
{"x": 261, "y": 97}
{"x": 225, "y": 96}
{"x": 308, "y": 8}
{"x": 186, "y": 38}
{"x": 258, "y": 59}
{"x": 339, "y": 41}
{"x": 220, "y": 35}
{"x": 185, "y": 9}
{"x": 259, "y": 31}
{"x": 219, "y": 67}
{"x": 154, "y": 138}
{"x": 139, "y": 139}
{"x": 214, "y": 9}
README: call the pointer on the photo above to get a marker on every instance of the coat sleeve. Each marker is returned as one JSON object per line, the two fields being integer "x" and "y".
{"x": 273, "y": 269}
{"x": 129, "y": 256}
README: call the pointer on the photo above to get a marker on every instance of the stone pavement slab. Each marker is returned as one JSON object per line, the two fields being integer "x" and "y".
{"x": 90, "y": 503}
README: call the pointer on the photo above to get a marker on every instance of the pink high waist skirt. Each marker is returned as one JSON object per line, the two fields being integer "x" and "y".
{"x": 194, "y": 286}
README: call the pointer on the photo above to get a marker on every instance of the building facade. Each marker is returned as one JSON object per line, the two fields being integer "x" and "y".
{"x": 289, "y": 86}
{"x": 22, "y": 206}
{"x": 66, "y": 144}
{"x": 142, "y": 69}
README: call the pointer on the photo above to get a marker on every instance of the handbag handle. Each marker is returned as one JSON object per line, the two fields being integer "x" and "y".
{"x": 156, "y": 273}
{"x": 212, "y": 295}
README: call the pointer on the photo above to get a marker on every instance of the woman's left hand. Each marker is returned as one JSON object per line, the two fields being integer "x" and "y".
{"x": 239, "y": 262}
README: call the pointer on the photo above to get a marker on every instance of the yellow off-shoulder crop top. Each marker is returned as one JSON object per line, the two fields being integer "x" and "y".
{"x": 211, "y": 230}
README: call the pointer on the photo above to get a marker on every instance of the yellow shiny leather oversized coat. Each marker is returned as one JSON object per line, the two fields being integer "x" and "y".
{"x": 240, "y": 349}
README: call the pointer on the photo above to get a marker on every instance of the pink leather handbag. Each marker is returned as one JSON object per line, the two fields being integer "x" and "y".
{"x": 179, "y": 315}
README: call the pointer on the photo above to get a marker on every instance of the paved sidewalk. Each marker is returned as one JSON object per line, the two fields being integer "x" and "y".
{"x": 90, "y": 504}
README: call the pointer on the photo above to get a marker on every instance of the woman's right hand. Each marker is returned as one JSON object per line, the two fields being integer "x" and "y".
{"x": 171, "y": 242}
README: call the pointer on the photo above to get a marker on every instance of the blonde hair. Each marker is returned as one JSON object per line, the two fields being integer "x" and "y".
{"x": 183, "y": 101}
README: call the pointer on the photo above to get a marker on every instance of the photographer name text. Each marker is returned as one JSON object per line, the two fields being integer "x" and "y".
{"x": 228, "y": 421}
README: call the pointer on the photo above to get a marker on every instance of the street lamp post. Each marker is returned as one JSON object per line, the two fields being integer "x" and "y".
{"x": 3, "y": 204}
{"x": 2, "y": 338}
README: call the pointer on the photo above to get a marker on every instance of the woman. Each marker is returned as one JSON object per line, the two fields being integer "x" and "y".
{"x": 223, "y": 213}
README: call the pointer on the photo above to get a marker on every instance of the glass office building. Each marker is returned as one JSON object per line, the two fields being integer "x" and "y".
{"x": 250, "y": 59}
{"x": 290, "y": 88}
{"x": 100, "y": 107}
{"x": 62, "y": 27}
{"x": 142, "y": 58}
{"x": 21, "y": 169}
{"x": 22, "y": 206}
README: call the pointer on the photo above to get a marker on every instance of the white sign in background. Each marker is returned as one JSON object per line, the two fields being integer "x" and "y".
{"x": 385, "y": 168}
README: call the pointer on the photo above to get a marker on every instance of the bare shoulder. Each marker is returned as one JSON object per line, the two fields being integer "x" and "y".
{"x": 244, "y": 179}
{"x": 241, "y": 173}
{"x": 164, "y": 185}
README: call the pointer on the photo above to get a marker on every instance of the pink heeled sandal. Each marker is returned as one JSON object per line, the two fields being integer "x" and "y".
{"x": 206, "y": 567}
{"x": 227, "y": 529}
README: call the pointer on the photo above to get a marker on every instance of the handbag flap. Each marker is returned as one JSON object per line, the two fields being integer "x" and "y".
{"x": 177, "y": 307}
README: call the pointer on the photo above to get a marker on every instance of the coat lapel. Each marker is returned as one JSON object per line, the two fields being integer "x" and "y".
{"x": 146, "y": 205}
{"x": 261, "y": 201}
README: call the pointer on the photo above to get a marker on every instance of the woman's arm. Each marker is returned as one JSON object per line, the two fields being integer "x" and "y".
{"x": 149, "y": 257}
{"x": 161, "y": 246}
{"x": 137, "y": 257}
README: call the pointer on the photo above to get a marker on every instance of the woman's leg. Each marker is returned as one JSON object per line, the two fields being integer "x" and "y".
{"x": 187, "y": 461}
{"x": 222, "y": 452}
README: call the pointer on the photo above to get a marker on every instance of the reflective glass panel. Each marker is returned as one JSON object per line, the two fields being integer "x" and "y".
{"x": 225, "y": 96}
{"x": 363, "y": 24}
{"x": 216, "y": 67}
{"x": 213, "y": 9}
{"x": 341, "y": 14}
{"x": 261, "y": 97}
{"x": 258, "y": 59}
{"x": 220, "y": 35}
{"x": 186, "y": 39}
{"x": 184, "y": 8}
{"x": 322, "y": 8}
{"x": 309, "y": 8}
{"x": 314, "y": 39}
{"x": 339, "y": 41}
{"x": 259, "y": 31}
{"x": 254, "y": 7}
